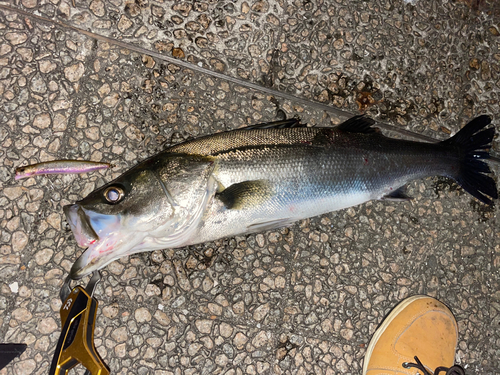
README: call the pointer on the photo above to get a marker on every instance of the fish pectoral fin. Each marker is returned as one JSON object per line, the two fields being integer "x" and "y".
{"x": 398, "y": 195}
{"x": 245, "y": 194}
{"x": 280, "y": 124}
{"x": 219, "y": 187}
{"x": 271, "y": 224}
{"x": 359, "y": 124}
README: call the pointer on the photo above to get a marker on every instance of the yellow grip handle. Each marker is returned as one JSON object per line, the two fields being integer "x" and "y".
{"x": 76, "y": 344}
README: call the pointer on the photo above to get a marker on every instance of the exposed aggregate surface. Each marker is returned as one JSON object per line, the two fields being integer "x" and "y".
{"x": 300, "y": 300}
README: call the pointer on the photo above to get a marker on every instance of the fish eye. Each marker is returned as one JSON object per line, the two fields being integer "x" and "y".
{"x": 114, "y": 194}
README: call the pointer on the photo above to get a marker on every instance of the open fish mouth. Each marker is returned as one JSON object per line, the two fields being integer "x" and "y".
{"x": 80, "y": 225}
{"x": 97, "y": 232}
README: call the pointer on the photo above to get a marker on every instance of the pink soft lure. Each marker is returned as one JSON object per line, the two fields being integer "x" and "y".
{"x": 59, "y": 167}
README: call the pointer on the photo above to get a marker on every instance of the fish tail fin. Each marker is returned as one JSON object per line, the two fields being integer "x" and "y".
{"x": 473, "y": 142}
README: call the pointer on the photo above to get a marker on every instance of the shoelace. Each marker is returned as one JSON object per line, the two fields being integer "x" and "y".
{"x": 453, "y": 370}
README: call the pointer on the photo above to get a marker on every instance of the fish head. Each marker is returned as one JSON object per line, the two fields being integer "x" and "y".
{"x": 155, "y": 205}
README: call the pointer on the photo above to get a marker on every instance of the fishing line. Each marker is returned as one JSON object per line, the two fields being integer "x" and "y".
{"x": 128, "y": 45}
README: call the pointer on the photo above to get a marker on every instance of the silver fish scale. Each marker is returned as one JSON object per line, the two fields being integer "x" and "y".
{"x": 301, "y": 155}
{"x": 302, "y": 165}
{"x": 304, "y": 181}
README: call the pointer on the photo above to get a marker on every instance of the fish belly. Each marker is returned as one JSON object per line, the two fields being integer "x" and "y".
{"x": 221, "y": 222}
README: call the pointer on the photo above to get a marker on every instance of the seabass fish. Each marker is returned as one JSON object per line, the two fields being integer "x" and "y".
{"x": 260, "y": 178}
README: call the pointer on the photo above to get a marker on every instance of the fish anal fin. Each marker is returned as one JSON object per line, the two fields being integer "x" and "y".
{"x": 359, "y": 124}
{"x": 398, "y": 195}
{"x": 245, "y": 194}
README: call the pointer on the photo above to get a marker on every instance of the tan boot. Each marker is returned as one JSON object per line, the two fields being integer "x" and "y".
{"x": 421, "y": 327}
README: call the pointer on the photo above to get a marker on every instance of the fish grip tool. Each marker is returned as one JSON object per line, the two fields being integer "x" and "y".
{"x": 76, "y": 343}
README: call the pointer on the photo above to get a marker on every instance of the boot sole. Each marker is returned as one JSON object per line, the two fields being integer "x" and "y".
{"x": 383, "y": 326}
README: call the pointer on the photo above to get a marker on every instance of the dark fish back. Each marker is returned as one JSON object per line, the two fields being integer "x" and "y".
{"x": 225, "y": 141}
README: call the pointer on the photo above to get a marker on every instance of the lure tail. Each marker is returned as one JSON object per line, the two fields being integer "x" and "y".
{"x": 473, "y": 142}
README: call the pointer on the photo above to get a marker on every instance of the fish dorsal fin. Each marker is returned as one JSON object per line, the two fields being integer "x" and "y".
{"x": 245, "y": 194}
{"x": 358, "y": 124}
{"x": 281, "y": 124}
{"x": 398, "y": 195}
